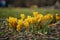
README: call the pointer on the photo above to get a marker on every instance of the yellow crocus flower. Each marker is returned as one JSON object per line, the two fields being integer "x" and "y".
{"x": 18, "y": 27}
{"x": 48, "y": 17}
{"x": 35, "y": 14}
{"x": 22, "y": 16}
{"x": 19, "y": 24}
{"x": 26, "y": 24}
{"x": 30, "y": 19}
{"x": 39, "y": 18}
{"x": 12, "y": 21}
{"x": 57, "y": 17}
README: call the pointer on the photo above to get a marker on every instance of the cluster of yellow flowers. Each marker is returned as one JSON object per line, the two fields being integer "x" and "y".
{"x": 14, "y": 22}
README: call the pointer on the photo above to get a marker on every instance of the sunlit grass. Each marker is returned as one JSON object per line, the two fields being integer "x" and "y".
{"x": 6, "y": 12}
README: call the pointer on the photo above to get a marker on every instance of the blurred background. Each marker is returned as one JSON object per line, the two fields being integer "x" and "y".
{"x": 30, "y": 3}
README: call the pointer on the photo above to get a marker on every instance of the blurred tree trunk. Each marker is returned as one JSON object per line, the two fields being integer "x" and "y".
{"x": 51, "y": 2}
{"x": 57, "y": 4}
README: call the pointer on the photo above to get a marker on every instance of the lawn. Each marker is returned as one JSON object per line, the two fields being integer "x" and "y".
{"x": 6, "y": 12}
